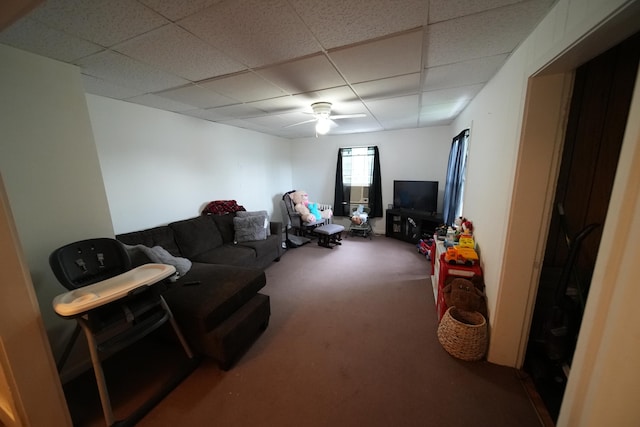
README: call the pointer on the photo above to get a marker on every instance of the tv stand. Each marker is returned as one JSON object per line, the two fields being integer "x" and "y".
{"x": 410, "y": 225}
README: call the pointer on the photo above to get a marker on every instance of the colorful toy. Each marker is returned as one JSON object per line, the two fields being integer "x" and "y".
{"x": 458, "y": 255}
{"x": 423, "y": 247}
{"x": 466, "y": 241}
{"x": 313, "y": 208}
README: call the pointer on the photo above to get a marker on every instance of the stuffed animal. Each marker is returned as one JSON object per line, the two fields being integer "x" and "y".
{"x": 300, "y": 201}
{"x": 467, "y": 227}
{"x": 465, "y": 295}
{"x": 313, "y": 208}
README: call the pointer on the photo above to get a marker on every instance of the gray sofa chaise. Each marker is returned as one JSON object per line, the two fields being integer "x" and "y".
{"x": 217, "y": 302}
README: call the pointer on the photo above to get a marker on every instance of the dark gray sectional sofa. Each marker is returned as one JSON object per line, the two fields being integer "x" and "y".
{"x": 217, "y": 302}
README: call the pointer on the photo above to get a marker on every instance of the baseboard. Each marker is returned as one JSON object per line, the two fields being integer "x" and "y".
{"x": 536, "y": 400}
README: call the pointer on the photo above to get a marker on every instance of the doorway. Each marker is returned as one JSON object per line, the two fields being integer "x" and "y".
{"x": 596, "y": 124}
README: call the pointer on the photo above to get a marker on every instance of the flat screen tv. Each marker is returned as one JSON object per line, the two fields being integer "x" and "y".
{"x": 416, "y": 195}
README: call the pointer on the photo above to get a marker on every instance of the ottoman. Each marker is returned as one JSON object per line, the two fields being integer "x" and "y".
{"x": 220, "y": 310}
{"x": 329, "y": 235}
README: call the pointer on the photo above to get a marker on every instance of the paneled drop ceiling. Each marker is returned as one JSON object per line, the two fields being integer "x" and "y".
{"x": 260, "y": 64}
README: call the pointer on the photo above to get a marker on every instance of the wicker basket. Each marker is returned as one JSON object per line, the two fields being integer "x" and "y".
{"x": 463, "y": 334}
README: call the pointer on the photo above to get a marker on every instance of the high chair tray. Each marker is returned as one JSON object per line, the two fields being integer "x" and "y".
{"x": 98, "y": 294}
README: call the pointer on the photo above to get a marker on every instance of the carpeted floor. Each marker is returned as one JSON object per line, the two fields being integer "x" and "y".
{"x": 351, "y": 342}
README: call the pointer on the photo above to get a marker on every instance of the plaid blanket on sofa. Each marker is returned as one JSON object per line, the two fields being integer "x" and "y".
{"x": 222, "y": 207}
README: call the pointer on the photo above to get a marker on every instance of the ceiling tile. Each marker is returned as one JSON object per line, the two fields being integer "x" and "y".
{"x": 296, "y": 119}
{"x": 33, "y": 36}
{"x": 386, "y": 88}
{"x": 281, "y": 104}
{"x": 196, "y": 96}
{"x": 338, "y": 23}
{"x": 245, "y": 87}
{"x": 99, "y": 21}
{"x": 396, "y": 113}
{"x": 278, "y": 120}
{"x": 253, "y": 32}
{"x": 303, "y": 75}
{"x": 249, "y": 124}
{"x": 463, "y": 73}
{"x": 175, "y": 50}
{"x": 204, "y": 114}
{"x": 160, "y": 103}
{"x": 461, "y": 94}
{"x": 355, "y": 125}
{"x": 443, "y": 10}
{"x": 440, "y": 114}
{"x": 260, "y": 64}
{"x": 389, "y": 57}
{"x": 239, "y": 111}
{"x": 495, "y": 32}
{"x": 340, "y": 97}
{"x": 124, "y": 71}
{"x": 178, "y": 9}
{"x": 101, "y": 87}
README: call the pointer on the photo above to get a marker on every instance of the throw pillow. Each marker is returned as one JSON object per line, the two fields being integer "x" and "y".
{"x": 263, "y": 214}
{"x": 160, "y": 255}
{"x": 249, "y": 228}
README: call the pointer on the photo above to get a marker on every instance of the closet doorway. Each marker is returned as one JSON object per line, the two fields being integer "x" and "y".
{"x": 595, "y": 128}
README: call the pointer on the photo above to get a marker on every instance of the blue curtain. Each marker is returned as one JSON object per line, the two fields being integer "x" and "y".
{"x": 454, "y": 188}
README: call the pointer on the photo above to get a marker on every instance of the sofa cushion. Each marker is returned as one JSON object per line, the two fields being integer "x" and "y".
{"x": 229, "y": 254}
{"x": 250, "y": 228}
{"x": 196, "y": 235}
{"x": 225, "y": 226}
{"x": 265, "y": 248}
{"x": 262, "y": 214}
{"x": 157, "y": 236}
{"x": 220, "y": 291}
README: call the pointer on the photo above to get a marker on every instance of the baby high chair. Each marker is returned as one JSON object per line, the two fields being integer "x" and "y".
{"x": 114, "y": 306}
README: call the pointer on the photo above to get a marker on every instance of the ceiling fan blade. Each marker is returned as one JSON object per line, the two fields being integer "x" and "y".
{"x": 348, "y": 116}
{"x": 300, "y": 123}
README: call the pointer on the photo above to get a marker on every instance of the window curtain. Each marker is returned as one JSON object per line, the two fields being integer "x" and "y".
{"x": 342, "y": 194}
{"x": 454, "y": 187}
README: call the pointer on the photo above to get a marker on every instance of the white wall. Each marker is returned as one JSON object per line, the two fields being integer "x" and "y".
{"x": 50, "y": 168}
{"x": 495, "y": 117}
{"x": 160, "y": 167}
{"x": 30, "y": 390}
{"x": 411, "y": 154}
{"x": 600, "y": 389}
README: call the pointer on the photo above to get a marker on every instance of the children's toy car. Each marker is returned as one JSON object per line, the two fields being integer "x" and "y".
{"x": 424, "y": 246}
{"x": 458, "y": 255}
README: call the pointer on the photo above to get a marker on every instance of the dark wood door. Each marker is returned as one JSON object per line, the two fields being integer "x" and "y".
{"x": 597, "y": 119}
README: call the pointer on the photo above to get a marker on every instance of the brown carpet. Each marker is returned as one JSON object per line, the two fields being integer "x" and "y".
{"x": 351, "y": 342}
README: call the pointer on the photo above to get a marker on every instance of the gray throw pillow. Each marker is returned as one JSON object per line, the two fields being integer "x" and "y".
{"x": 263, "y": 214}
{"x": 160, "y": 255}
{"x": 249, "y": 229}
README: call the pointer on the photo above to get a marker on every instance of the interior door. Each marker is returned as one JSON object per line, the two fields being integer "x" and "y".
{"x": 597, "y": 120}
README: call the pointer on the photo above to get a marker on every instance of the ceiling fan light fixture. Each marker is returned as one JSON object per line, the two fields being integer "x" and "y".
{"x": 321, "y": 109}
{"x": 323, "y": 125}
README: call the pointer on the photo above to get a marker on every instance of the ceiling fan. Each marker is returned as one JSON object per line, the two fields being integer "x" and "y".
{"x": 323, "y": 117}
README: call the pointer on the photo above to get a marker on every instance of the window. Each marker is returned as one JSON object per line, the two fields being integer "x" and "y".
{"x": 454, "y": 188}
{"x": 358, "y": 181}
{"x": 357, "y": 172}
